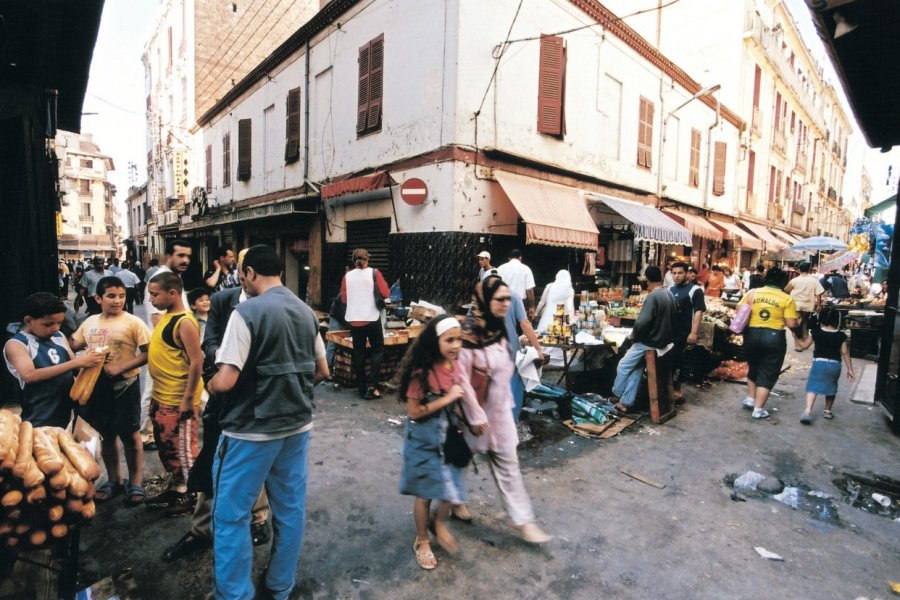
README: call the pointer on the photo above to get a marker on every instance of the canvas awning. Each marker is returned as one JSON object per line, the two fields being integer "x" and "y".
{"x": 356, "y": 185}
{"x": 696, "y": 224}
{"x": 648, "y": 223}
{"x": 772, "y": 242}
{"x": 554, "y": 215}
{"x": 784, "y": 235}
{"x": 748, "y": 241}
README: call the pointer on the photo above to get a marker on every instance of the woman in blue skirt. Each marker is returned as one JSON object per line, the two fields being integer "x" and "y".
{"x": 831, "y": 348}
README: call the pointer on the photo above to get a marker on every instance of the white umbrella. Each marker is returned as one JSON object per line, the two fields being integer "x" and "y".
{"x": 818, "y": 243}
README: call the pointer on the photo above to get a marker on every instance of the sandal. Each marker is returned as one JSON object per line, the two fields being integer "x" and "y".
{"x": 107, "y": 491}
{"x": 134, "y": 495}
{"x": 461, "y": 512}
{"x": 827, "y": 414}
{"x": 621, "y": 408}
{"x": 425, "y": 558}
{"x": 444, "y": 539}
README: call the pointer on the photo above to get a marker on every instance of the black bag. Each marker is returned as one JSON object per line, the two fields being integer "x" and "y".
{"x": 456, "y": 450}
{"x": 338, "y": 310}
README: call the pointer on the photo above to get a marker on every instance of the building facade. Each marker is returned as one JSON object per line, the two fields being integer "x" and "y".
{"x": 88, "y": 225}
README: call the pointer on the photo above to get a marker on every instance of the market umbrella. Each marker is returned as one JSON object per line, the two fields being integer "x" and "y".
{"x": 787, "y": 254}
{"x": 818, "y": 243}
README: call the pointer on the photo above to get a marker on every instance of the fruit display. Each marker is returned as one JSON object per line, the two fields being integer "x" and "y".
{"x": 46, "y": 482}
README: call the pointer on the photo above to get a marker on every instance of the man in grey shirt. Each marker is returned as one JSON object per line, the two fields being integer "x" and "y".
{"x": 653, "y": 330}
{"x": 88, "y": 285}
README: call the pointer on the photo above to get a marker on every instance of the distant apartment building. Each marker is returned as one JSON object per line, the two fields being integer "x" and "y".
{"x": 794, "y": 154}
{"x": 137, "y": 206}
{"x": 87, "y": 226}
{"x": 198, "y": 50}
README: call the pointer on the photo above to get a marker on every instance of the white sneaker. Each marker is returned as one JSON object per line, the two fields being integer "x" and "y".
{"x": 760, "y": 413}
{"x": 533, "y": 534}
{"x": 748, "y": 402}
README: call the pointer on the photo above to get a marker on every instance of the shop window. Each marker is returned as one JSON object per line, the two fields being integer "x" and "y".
{"x": 292, "y": 127}
{"x": 694, "y": 170}
{"x": 226, "y": 160}
{"x": 718, "y": 187}
{"x": 371, "y": 84}
{"x": 551, "y": 118}
{"x": 645, "y": 134}
{"x": 245, "y": 129}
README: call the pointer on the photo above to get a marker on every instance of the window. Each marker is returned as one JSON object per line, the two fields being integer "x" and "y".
{"x": 772, "y": 179}
{"x": 371, "y": 80}
{"x": 751, "y": 168}
{"x": 245, "y": 128}
{"x": 777, "y": 111}
{"x": 86, "y": 163}
{"x": 226, "y": 160}
{"x": 645, "y": 134}
{"x": 757, "y": 81}
{"x": 292, "y": 127}
{"x": 85, "y": 231}
{"x": 551, "y": 86}
{"x": 718, "y": 186}
{"x": 694, "y": 171}
{"x": 84, "y": 187}
{"x": 209, "y": 168}
{"x": 85, "y": 209}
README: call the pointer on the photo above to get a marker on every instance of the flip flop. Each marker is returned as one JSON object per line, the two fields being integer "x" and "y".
{"x": 107, "y": 490}
{"x": 424, "y": 555}
{"x": 134, "y": 495}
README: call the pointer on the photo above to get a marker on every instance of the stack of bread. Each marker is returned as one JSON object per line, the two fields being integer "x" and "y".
{"x": 46, "y": 482}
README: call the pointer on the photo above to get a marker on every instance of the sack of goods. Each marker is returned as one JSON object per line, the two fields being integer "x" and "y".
{"x": 46, "y": 483}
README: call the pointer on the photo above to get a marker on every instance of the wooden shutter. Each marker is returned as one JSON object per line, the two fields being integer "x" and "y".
{"x": 694, "y": 171}
{"x": 751, "y": 168}
{"x": 757, "y": 82}
{"x": 718, "y": 187}
{"x": 244, "y": 149}
{"x": 551, "y": 85}
{"x": 772, "y": 184}
{"x": 292, "y": 127}
{"x": 777, "y": 111}
{"x": 209, "y": 168}
{"x": 645, "y": 134}
{"x": 226, "y": 159}
{"x": 371, "y": 86}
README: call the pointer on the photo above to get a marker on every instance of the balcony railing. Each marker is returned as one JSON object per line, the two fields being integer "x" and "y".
{"x": 799, "y": 209}
{"x": 779, "y": 142}
{"x": 86, "y": 218}
{"x": 756, "y": 122}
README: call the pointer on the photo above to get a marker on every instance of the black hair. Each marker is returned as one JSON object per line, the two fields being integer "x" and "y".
{"x": 829, "y": 317}
{"x": 775, "y": 277}
{"x": 108, "y": 282}
{"x": 224, "y": 249}
{"x": 420, "y": 357}
{"x": 679, "y": 265}
{"x": 692, "y": 269}
{"x": 515, "y": 253}
{"x": 154, "y": 262}
{"x": 168, "y": 281}
{"x": 760, "y": 268}
{"x": 803, "y": 267}
{"x": 263, "y": 259}
{"x": 41, "y": 304}
{"x": 197, "y": 293}
{"x": 170, "y": 245}
{"x": 653, "y": 274}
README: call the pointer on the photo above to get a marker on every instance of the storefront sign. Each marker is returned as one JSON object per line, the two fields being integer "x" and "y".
{"x": 300, "y": 246}
{"x": 414, "y": 191}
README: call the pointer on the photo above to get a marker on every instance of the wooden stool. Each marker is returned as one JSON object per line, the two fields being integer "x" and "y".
{"x": 659, "y": 386}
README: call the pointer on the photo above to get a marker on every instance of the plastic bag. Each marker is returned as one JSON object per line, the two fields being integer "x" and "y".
{"x": 396, "y": 293}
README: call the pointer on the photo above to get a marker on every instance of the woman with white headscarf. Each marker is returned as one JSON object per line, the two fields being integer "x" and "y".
{"x": 560, "y": 291}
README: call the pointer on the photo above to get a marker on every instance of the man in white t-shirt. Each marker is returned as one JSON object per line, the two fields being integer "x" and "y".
{"x": 519, "y": 278}
{"x": 484, "y": 262}
{"x": 807, "y": 292}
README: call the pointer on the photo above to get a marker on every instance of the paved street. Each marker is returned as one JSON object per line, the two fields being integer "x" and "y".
{"x": 615, "y": 537}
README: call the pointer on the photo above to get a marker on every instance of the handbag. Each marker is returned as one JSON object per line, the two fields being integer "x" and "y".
{"x": 480, "y": 379}
{"x": 742, "y": 316}
{"x": 456, "y": 450}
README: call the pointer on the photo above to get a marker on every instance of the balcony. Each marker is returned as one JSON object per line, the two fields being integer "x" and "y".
{"x": 775, "y": 212}
{"x": 802, "y": 159}
{"x": 779, "y": 142}
{"x": 86, "y": 218}
{"x": 756, "y": 122}
{"x": 799, "y": 209}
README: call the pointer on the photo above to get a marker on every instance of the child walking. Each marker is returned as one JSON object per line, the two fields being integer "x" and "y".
{"x": 114, "y": 408}
{"x": 428, "y": 385}
{"x": 831, "y": 347}
{"x": 40, "y": 359}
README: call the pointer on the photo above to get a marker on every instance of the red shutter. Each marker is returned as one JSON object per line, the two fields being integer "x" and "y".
{"x": 376, "y": 84}
{"x": 751, "y": 168}
{"x": 772, "y": 184}
{"x": 645, "y": 134}
{"x": 362, "y": 98}
{"x": 718, "y": 187}
{"x": 757, "y": 82}
{"x": 694, "y": 171}
{"x": 292, "y": 127}
{"x": 226, "y": 160}
{"x": 209, "y": 168}
{"x": 244, "y": 149}
{"x": 551, "y": 81}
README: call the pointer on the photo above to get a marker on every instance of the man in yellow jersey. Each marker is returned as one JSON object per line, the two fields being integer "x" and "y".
{"x": 175, "y": 363}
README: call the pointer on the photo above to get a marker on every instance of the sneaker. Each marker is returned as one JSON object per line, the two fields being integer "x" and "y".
{"x": 533, "y": 534}
{"x": 806, "y": 419}
{"x": 182, "y": 506}
{"x": 259, "y": 533}
{"x": 748, "y": 403}
{"x": 187, "y": 544}
{"x": 760, "y": 413}
{"x": 163, "y": 500}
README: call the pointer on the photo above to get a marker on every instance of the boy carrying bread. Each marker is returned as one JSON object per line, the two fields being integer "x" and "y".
{"x": 114, "y": 407}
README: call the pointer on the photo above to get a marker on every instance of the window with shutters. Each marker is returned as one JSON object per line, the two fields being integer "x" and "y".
{"x": 226, "y": 159}
{"x": 292, "y": 127}
{"x": 551, "y": 117}
{"x": 84, "y": 187}
{"x": 371, "y": 87}
{"x": 694, "y": 170}
{"x": 645, "y": 134}
{"x": 757, "y": 83}
{"x": 772, "y": 179}
{"x": 244, "y": 149}
{"x": 751, "y": 168}
{"x": 209, "y": 168}
{"x": 718, "y": 186}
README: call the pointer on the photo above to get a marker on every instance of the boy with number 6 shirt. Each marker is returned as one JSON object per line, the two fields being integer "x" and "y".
{"x": 175, "y": 364}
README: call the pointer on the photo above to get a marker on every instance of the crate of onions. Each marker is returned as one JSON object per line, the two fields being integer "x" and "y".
{"x": 46, "y": 483}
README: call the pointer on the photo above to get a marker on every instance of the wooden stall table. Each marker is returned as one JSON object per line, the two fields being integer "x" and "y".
{"x": 396, "y": 341}
{"x": 570, "y": 352}
{"x": 659, "y": 386}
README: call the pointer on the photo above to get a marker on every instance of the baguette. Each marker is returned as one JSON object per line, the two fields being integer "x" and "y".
{"x": 10, "y": 461}
{"x": 60, "y": 481}
{"x": 33, "y": 477}
{"x": 75, "y": 506}
{"x": 84, "y": 384}
{"x": 24, "y": 456}
{"x": 22, "y": 528}
{"x": 9, "y": 432}
{"x": 36, "y": 494}
{"x": 38, "y": 537}
{"x": 59, "y": 530}
{"x": 55, "y": 513}
{"x": 78, "y": 486}
{"x": 12, "y": 542}
{"x": 89, "y": 510}
{"x": 46, "y": 452}
{"x": 5, "y": 529}
{"x": 11, "y": 499}
{"x": 78, "y": 456}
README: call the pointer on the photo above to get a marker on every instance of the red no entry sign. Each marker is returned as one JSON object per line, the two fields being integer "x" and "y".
{"x": 414, "y": 191}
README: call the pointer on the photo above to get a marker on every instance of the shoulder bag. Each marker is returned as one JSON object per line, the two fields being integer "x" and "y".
{"x": 742, "y": 315}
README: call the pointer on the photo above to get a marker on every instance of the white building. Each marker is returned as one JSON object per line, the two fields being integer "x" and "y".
{"x": 87, "y": 225}
{"x": 533, "y": 142}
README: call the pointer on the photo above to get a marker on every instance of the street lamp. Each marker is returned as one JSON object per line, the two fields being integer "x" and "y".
{"x": 710, "y": 89}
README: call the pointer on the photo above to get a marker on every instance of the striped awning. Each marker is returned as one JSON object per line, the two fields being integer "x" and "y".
{"x": 784, "y": 235}
{"x": 648, "y": 222}
{"x": 732, "y": 231}
{"x": 760, "y": 231}
{"x": 696, "y": 224}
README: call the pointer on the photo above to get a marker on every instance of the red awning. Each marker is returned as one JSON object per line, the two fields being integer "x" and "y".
{"x": 773, "y": 244}
{"x": 748, "y": 241}
{"x": 363, "y": 183}
{"x": 695, "y": 224}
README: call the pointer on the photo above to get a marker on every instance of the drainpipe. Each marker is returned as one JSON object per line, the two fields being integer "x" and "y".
{"x": 709, "y": 147}
{"x": 306, "y": 117}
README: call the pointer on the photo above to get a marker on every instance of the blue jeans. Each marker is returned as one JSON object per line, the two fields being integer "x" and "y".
{"x": 628, "y": 374}
{"x": 241, "y": 469}
{"x": 518, "y": 393}
{"x": 333, "y": 325}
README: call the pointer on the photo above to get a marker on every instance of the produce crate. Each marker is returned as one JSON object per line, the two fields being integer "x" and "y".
{"x": 343, "y": 364}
